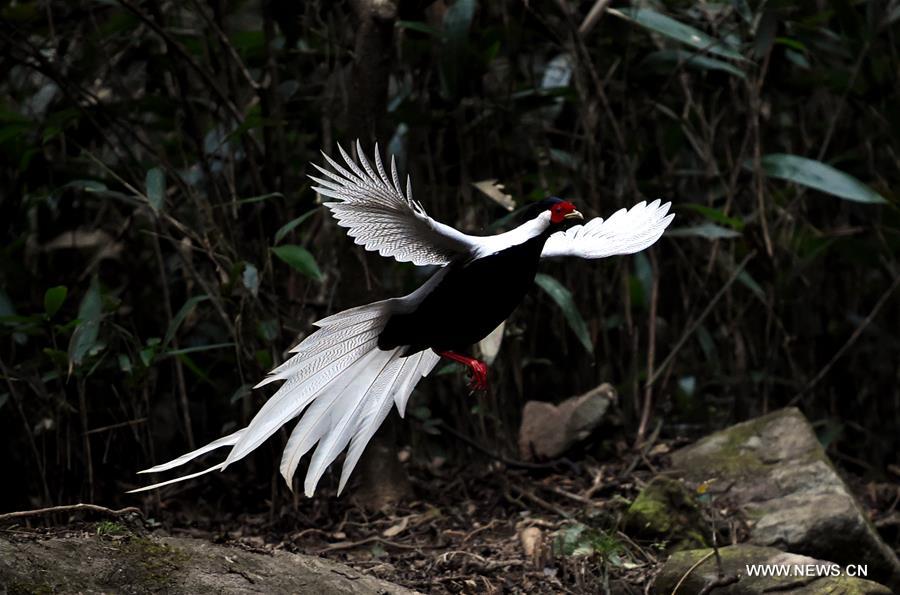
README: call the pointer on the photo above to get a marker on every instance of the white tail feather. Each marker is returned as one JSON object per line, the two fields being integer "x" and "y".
{"x": 428, "y": 360}
{"x": 347, "y": 386}
{"x": 295, "y": 394}
{"x": 317, "y": 419}
{"x": 229, "y": 440}
{"x": 343, "y": 413}
{"x": 411, "y": 370}
{"x": 218, "y": 467}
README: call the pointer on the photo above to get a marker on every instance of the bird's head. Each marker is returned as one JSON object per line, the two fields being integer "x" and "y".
{"x": 561, "y": 211}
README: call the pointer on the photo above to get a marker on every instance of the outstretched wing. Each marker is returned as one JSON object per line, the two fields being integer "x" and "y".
{"x": 627, "y": 231}
{"x": 381, "y": 218}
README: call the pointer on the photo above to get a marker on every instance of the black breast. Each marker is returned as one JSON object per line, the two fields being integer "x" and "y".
{"x": 470, "y": 302}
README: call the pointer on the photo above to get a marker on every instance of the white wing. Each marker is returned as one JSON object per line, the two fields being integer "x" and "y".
{"x": 381, "y": 218}
{"x": 625, "y": 232}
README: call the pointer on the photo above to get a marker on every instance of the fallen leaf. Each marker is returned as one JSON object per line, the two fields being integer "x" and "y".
{"x": 659, "y": 449}
{"x": 397, "y": 529}
{"x": 495, "y": 191}
{"x": 531, "y": 539}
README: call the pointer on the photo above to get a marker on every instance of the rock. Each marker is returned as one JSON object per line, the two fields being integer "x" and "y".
{"x": 548, "y": 430}
{"x": 735, "y": 559}
{"x": 667, "y": 510}
{"x": 147, "y": 564}
{"x": 774, "y": 471}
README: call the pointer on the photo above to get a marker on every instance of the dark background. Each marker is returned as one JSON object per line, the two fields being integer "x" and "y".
{"x": 153, "y": 153}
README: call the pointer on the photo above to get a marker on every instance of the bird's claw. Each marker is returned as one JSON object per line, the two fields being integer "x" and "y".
{"x": 479, "y": 379}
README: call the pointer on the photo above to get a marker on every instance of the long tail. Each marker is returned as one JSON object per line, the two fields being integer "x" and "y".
{"x": 345, "y": 383}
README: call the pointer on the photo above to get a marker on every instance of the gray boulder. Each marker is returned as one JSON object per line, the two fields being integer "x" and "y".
{"x": 549, "y": 430}
{"x": 775, "y": 472}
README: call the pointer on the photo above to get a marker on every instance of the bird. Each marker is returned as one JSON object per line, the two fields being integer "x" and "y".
{"x": 343, "y": 379}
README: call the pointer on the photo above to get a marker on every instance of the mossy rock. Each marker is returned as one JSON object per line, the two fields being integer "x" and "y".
{"x": 668, "y": 511}
{"x": 691, "y": 571}
{"x": 774, "y": 471}
{"x": 130, "y": 563}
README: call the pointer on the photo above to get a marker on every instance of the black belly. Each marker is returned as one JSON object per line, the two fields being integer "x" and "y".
{"x": 469, "y": 303}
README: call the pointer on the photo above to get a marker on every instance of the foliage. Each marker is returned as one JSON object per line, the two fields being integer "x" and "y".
{"x": 162, "y": 248}
{"x": 579, "y": 540}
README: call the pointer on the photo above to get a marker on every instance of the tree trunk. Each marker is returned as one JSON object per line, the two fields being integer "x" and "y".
{"x": 383, "y": 480}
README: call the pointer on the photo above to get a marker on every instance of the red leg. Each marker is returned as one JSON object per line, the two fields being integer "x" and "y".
{"x": 479, "y": 380}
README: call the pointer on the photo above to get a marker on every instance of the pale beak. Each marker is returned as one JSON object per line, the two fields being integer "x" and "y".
{"x": 574, "y": 215}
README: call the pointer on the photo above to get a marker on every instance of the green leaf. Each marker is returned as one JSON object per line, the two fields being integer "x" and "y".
{"x": 458, "y": 19}
{"x": 714, "y": 215}
{"x": 580, "y": 540}
{"x": 750, "y": 283}
{"x": 292, "y": 224}
{"x": 797, "y": 58}
{"x": 563, "y": 299}
{"x": 418, "y": 26}
{"x": 693, "y": 60}
{"x": 259, "y": 198}
{"x": 85, "y": 335}
{"x": 250, "y": 278}
{"x": 710, "y": 231}
{"x": 86, "y": 185}
{"x": 179, "y": 318}
{"x": 817, "y": 175}
{"x": 6, "y": 305}
{"x": 660, "y": 23}
{"x": 54, "y": 298}
{"x": 156, "y": 188}
{"x": 299, "y": 259}
{"x": 198, "y": 348}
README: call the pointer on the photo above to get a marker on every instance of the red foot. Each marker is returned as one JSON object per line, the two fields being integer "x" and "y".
{"x": 479, "y": 380}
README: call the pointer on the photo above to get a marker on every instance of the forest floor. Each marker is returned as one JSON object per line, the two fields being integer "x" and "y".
{"x": 490, "y": 528}
{"x": 488, "y": 531}
{"x": 483, "y": 528}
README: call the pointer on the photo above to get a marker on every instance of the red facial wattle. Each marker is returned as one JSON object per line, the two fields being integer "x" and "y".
{"x": 561, "y": 211}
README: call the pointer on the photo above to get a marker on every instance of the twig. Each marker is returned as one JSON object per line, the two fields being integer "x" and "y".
{"x": 226, "y": 43}
{"x": 179, "y": 370}
{"x": 690, "y": 570}
{"x": 593, "y": 17}
{"x": 480, "y": 561}
{"x": 185, "y": 55}
{"x": 850, "y": 341}
{"x": 755, "y": 90}
{"x": 647, "y": 405}
{"x": 31, "y": 443}
{"x": 472, "y": 534}
{"x": 346, "y": 545}
{"x": 505, "y": 460}
{"x": 643, "y": 449}
{"x": 86, "y": 439}
{"x": 576, "y": 497}
{"x": 22, "y": 514}
{"x": 123, "y": 424}
{"x": 696, "y": 323}
{"x": 541, "y": 502}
